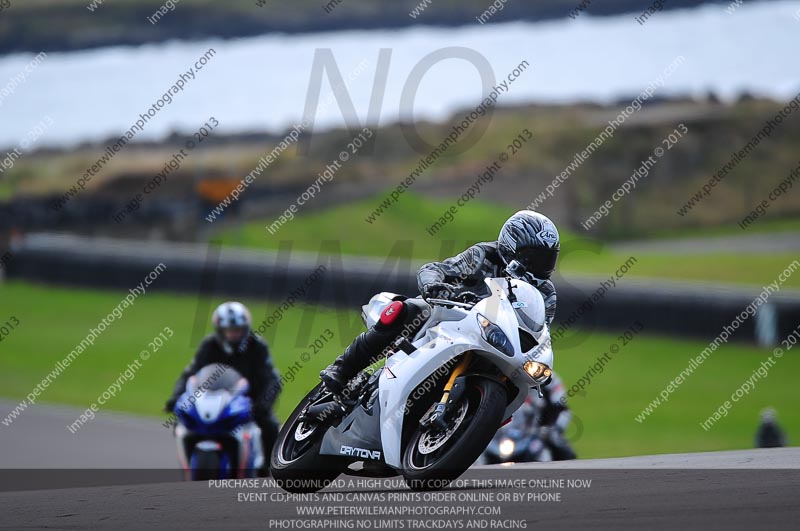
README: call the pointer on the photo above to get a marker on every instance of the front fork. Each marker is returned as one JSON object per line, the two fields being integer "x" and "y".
{"x": 453, "y": 390}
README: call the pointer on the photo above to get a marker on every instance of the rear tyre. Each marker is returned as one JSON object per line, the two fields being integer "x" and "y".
{"x": 432, "y": 459}
{"x": 295, "y": 462}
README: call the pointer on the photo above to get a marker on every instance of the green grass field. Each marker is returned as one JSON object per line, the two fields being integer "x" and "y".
{"x": 411, "y": 216}
{"x": 762, "y": 225}
{"x": 400, "y": 231}
{"x": 53, "y": 320}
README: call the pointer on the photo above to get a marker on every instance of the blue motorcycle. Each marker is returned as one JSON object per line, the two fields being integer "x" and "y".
{"x": 216, "y": 435}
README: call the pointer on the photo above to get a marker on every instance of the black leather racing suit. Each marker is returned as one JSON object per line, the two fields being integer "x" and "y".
{"x": 252, "y": 361}
{"x": 466, "y": 271}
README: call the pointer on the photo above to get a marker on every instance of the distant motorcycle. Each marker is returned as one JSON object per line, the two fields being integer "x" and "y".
{"x": 216, "y": 436}
{"x": 536, "y": 432}
{"x": 514, "y": 445}
{"x": 437, "y": 402}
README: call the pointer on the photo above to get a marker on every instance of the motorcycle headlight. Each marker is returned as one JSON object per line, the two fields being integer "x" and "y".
{"x": 506, "y": 447}
{"x": 492, "y": 334}
{"x": 539, "y": 372}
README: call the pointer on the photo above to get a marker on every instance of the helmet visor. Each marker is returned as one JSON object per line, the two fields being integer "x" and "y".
{"x": 234, "y": 334}
{"x": 540, "y": 261}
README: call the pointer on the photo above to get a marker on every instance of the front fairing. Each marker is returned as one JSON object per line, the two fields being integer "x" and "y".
{"x": 498, "y": 310}
{"x": 236, "y": 412}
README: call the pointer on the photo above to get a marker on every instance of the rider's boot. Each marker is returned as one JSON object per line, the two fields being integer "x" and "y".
{"x": 365, "y": 349}
{"x": 355, "y": 358}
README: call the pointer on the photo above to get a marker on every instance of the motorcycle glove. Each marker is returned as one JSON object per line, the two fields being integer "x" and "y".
{"x": 438, "y": 290}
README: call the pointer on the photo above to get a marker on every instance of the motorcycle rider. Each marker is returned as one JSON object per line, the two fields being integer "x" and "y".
{"x": 770, "y": 434}
{"x": 528, "y": 237}
{"x": 234, "y": 344}
{"x": 550, "y": 416}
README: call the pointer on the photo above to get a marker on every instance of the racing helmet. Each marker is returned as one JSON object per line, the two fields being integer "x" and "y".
{"x": 232, "y": 323}
{"x": 531, "y": 239}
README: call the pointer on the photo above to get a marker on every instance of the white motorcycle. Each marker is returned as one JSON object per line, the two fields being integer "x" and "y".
{"x": 438, "y": 400}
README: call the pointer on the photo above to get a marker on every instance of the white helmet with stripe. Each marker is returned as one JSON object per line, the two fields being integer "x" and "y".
{"x": 232, "y": 317}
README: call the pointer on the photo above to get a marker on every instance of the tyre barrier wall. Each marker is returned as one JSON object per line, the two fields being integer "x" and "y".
{"x": 669, "y": 308}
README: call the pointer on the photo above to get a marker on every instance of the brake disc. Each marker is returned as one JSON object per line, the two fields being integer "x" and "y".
{"x": 304, "y": 431}
{"x": 431, "y": 441}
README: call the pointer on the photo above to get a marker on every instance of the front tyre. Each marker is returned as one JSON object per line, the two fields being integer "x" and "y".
{"x": 206, "y": 465}
{"x": 433, "y": 458}
{"x": 295, "y": 462}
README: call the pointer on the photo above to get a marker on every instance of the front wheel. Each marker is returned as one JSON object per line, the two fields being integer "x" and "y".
{"x": 295, "y": 462}
{"x": 433, "y": 458}
{"x": 206, "y": 465}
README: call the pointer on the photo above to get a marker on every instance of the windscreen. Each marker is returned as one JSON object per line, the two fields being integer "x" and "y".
{"x": 217, "y": 377}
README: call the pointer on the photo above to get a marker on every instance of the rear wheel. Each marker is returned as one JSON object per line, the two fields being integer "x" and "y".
{"x": 434, "y": 457}
{"x": 295, "y": 462}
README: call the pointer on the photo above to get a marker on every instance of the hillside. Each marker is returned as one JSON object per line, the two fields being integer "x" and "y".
{"x": 54, "y": 25}
{"x": 715, "y": 133}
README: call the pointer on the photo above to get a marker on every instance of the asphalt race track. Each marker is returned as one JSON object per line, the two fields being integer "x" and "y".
{"x": 754, "y": 489}
{"x": 40, "y": 438}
